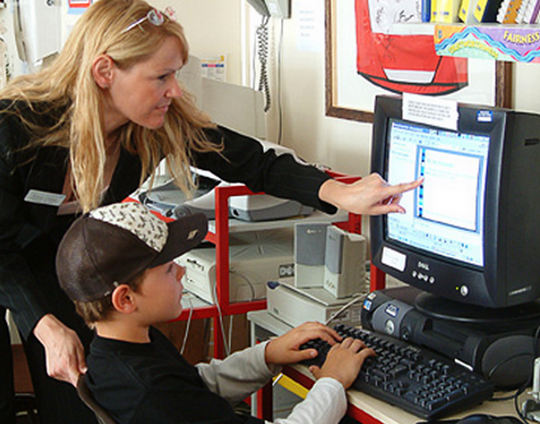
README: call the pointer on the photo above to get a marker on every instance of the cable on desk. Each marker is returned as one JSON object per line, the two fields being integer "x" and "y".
{"x": 222, "y": 327}
{"x": 249, "y": 283}
{"x": 231, "y": 321}
{"x": 188, "y": 325}
{"x": 344, "y": 308}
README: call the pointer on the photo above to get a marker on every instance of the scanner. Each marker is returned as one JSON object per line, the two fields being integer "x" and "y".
{"x": 171, "y": 201}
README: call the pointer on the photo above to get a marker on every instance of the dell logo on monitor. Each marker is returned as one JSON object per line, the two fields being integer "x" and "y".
{"x": 423, "y": 265}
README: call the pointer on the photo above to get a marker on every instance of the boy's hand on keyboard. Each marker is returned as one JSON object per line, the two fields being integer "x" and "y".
{"x": 343, "y": 361}
{"x": 285, "y": 349}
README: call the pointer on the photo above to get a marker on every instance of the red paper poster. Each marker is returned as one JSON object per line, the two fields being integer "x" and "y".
{"x": 402, "y": 63}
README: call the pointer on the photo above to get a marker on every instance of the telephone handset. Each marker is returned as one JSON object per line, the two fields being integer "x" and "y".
{"x": 276, "y": 8}
{"x": 260, "y": 7}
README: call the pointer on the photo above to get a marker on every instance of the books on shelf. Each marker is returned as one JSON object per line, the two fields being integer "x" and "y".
{"x": 508, "y": 11}
{"x": 528, "y": 12}
{"x": 445, "y": 11}
{"x": 426, "y": 11}
{"x": 474, "y": 11}
{"x": 535, "y": 15}
{"x": 469, "y": 11}
{"x": 486, "y": 10}
{"x": 465, "y": 12}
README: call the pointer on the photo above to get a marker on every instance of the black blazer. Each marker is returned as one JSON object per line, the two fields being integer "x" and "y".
{"x": 23, "y": 222}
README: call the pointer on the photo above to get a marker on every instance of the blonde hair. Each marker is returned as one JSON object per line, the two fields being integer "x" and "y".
{"x": 67, "y": 90}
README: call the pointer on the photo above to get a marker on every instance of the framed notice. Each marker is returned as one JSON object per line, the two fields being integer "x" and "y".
{"x": 369, "y": 55}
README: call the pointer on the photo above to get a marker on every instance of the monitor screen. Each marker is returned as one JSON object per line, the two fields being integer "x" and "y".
{"x": 471, "y": 231}
{"x": 445, "y": 215}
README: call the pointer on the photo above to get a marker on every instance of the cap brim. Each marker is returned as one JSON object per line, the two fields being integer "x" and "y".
{"x": 185, "y": 234}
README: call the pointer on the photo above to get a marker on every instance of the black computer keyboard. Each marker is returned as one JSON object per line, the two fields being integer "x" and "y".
{"x": 415, "y": 379}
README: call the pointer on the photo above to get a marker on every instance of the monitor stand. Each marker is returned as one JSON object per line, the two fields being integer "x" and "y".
{"x": 448, "y": 310}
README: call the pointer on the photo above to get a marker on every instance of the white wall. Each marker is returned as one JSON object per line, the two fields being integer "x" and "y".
{"x": 212, "y": 29}
{"x": 340, "y": 144}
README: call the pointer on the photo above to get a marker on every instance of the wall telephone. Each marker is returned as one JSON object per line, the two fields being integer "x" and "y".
{"x": 276, "y": 8}
{"x": 37, "y": 25}
{"x": 267, "y": 8}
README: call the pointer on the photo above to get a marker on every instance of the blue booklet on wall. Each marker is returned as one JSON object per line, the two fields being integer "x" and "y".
{"x": 486, "y": 10}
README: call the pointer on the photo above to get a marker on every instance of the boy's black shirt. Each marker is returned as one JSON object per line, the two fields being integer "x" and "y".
{"x": 152, "y": 383}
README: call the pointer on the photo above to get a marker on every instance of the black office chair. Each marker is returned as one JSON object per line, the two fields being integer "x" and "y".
{"x": 87, "y": 397}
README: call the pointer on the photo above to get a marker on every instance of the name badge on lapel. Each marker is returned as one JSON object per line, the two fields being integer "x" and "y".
{"x": 44, "y": 198}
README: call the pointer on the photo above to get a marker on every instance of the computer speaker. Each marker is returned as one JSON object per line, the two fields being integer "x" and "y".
{"x": 508, "y": 362}
{"x": 344, "y": 270}
{"x": 309, "y": 253}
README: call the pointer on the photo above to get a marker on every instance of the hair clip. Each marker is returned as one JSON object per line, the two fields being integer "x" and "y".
{"x": 155, "y": 17}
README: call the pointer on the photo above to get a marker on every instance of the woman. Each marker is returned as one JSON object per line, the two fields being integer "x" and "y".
{"x": 87, "y": 131}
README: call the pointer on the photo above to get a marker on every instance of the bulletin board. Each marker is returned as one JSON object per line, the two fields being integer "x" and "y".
{"x": 351, "y": 95}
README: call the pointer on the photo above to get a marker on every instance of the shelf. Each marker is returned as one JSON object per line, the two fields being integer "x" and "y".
{"x": 237, "y": 226}
{"x": 510, "y": 43}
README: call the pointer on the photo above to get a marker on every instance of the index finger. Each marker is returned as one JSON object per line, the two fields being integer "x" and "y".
{"x": 321, "y": 331}
{"x": 403, "y": 187}
{"x": 330, "y": 335}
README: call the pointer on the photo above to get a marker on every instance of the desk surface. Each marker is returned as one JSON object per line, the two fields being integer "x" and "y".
{"x": 263, "y": 323}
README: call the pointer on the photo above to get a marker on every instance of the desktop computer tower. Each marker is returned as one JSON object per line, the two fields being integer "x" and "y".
{"x": 501, "y": 351}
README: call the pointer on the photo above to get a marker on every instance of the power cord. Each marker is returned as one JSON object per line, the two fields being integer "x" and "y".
{"x": 188, "y": 326}
{"x": 221, "y": 324}
{"x": 280, "y": 109}
{"x": 249, "y": 283}
{"x": 344, "y": 308}
{"x": 262, "y": 52}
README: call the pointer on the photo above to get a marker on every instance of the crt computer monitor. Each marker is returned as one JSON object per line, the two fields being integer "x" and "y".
{"x": 471, "y": 233}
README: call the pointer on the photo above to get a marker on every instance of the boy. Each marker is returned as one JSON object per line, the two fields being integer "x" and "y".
{"x": 116, "y": 264}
